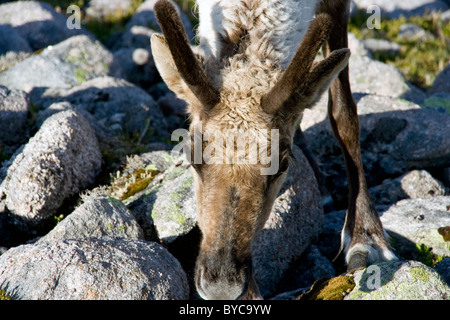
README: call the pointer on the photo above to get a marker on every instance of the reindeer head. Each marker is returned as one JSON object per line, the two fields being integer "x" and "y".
{"x": 255, "y": 107}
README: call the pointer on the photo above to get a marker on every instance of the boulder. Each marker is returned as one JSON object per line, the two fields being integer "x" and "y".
{"x": 134, "y": 37}
{"x": 416, "y": 222}
{"x": 294, "y": 222}
{"x": 414, "y": 184}
{"x": 396, "y": 8}
{"x": 64, "y": 65}
{"x": 14, "y": 108}
{"x": 443, "y": 268}
{"x": 137, "y": 66}
{"x": 37, "y": 22}
{"x": 382, "y": 46}
{"x": 92, "y": 269}
{"x": 365, "y": 78}
{"x": 11, "y": 40}
{"x": 99, "y": 218}
{"x": 59, "y": 161}
{"x": 101, "y": 9}
{"x": 398, "y": 280}
{"x": 117, "y": 104}
{"x": 442, "y": 82}
{"x": 413, "y": 32}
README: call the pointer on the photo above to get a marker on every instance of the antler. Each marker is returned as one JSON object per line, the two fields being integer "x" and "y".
{"x": 298, "y": 70}
{"x": 187, "y": 64}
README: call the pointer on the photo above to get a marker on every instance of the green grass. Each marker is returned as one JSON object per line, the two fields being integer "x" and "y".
{"x": 419, "y": 61}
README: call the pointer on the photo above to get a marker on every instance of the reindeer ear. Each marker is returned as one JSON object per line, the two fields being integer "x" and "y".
{"x": 168, "y": 70}
{"x": 323, "y": 74}
{"x": 314, "y": 84}
{"x": 182, "y": 63}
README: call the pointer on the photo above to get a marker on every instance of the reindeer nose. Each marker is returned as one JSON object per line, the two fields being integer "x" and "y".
{"x": 219, "y": 284}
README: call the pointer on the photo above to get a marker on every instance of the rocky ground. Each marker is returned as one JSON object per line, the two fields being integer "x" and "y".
{"x": 94, "y": 205}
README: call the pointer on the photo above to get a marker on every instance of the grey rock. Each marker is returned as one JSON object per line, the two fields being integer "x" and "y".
{"x": 99, "y": 9}
{"x": 311, "y": 266}
{"x": 92, "y": 269}
{"x": 64, "y": 65}
{"x": 168, "y": 202}
{"x": 116, "y": 104}
{"x": 399, "y": 280}
{"x": 443, "y": 268}
{"x": 11, "y": 40}
{"x": 11, "y": 58}
{"x": 134, "y": 37}
{"x": 145, "y": 17}
{"x": 97, "y": 217}
{"x": 417, "y": 221}
{"x": 365, "y": 78}
{"x": 357, "y": 46}
{"x": 174, "y": 110}
{"x": 414, "y": 184}
{"x": 396, "y": 8}
{"x": 137, "y": 66}
{"x": 62, "y": 159}
{"x": 14, "y": 108}
{"x": 294, "y": 222}
{"x": 412, "y": 31}
{"x": 384, "y": 46}
{"x": 37, "y": 22}
{"x": 442, "y": 82}
{"x": 105, "y": 137}
{"x": 446, "y": 16}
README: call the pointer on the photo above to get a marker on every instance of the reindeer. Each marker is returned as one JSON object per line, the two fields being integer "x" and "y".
{"x": 255, "y": 69}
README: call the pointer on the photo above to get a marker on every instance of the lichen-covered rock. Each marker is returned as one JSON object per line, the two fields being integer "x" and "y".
{"x": 97, "y": 217}
{"x": 399, "y": 280}
{"x": 64, "y": 65}
{"x": 413, "y": 222}
{"x": 58, "y": 162}
{"x": 92, "y": 269}
{"x": 169, "y": 202}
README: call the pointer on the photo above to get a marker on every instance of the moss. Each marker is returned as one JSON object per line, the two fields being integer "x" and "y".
{"x": 419, "y": 274}
{"x": 330, "y": 289}
{"x": 127, "y": 185}
{"x": 3, "y": 295}
{"x": 427, "y": 256}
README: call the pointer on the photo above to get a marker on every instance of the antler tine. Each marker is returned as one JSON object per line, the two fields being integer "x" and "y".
{"x": 183, "y": 56}
{"x": 299, "y": 65}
